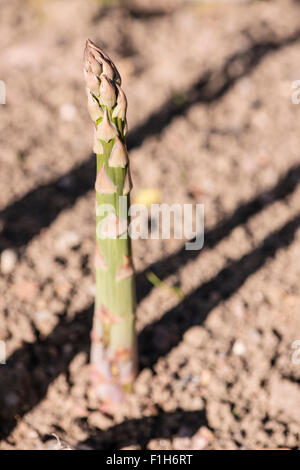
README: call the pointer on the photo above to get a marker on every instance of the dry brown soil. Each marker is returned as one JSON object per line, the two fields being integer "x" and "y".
{"x": 211, "y": 121}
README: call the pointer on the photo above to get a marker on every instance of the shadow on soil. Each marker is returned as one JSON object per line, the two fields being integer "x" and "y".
{"x": 31, "y": 369}
{"x": 141, "y": 431}
{"x": 26, "y": 217}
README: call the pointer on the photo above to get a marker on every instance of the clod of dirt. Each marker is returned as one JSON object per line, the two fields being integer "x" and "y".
{"x": 45, "y": 321}
{"x": 25, "y": 290}
{"x": 67, "y": 241}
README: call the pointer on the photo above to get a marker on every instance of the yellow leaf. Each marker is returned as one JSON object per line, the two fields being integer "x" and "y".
{"x": 148, "y": 196}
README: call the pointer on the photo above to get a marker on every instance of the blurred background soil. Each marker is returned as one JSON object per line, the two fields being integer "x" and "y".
{"x": 211, "y": 121}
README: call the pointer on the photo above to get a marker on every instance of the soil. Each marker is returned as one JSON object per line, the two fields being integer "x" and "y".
{"x": 211, "y": 121}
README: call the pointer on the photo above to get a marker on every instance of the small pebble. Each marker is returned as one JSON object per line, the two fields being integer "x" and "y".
{"x": 8, "y": 261}
{"x": 239, "y": 349}
{"x": 205, "y": 377}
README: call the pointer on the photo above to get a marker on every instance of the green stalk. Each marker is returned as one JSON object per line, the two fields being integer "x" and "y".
{"x": 113, "y": 344}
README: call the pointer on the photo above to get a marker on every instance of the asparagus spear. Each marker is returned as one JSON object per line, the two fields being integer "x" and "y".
{"x": 113, "y": 341}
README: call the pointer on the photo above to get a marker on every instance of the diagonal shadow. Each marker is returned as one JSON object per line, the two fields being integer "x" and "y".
{"x": 210, "y": 87}
{"x": 29, "y": 371}
{"x": 157, "y": 339}
{"x": 171, "y": 263}
{"x": 26, "y": 217}
{"x": 145, "y": 14}
{"x": 141, "y": 431}
{"x": 21, "y": 390}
